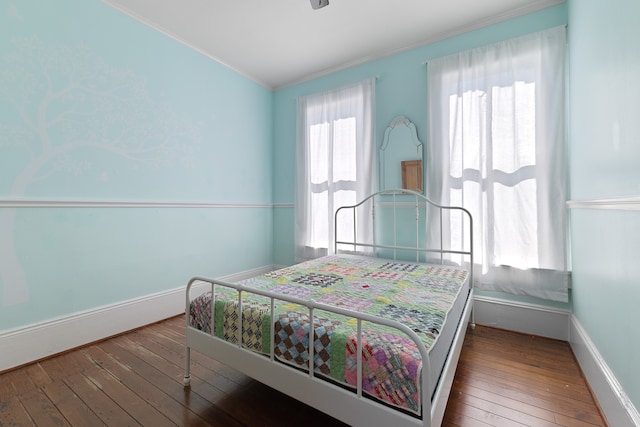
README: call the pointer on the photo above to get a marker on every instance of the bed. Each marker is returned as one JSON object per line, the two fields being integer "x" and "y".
{"x": 385, "y": 315}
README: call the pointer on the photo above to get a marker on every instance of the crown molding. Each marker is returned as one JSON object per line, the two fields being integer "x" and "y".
{"x": 476, "y": 25}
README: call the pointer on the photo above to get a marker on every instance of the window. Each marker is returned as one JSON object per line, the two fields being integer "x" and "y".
{"x": 334, "y": 163}
{"x": 498, "y": 148}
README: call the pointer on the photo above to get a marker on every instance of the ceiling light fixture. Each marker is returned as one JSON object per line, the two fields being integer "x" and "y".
{"x": 317, "y": 4}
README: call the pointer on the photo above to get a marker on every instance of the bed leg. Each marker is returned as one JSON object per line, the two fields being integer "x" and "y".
{"x": 186, "y": 381}
{"x": 472, "y": 322}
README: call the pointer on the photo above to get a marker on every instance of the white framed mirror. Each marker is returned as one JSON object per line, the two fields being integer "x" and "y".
{"x": 400, "y": 156}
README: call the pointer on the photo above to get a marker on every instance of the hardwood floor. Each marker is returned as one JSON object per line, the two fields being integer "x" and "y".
{"x": 503, "y": 379}
{"x": 510, "y": 379}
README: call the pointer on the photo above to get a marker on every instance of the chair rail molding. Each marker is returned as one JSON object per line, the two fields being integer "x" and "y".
{"x": 617, "y": 203}
{"x": 67, "y": 203}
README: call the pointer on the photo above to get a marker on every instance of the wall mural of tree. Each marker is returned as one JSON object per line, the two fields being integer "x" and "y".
{"x": 63, "y": 105}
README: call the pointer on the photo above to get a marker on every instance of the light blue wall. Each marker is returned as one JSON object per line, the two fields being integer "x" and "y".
{"x": 401, "y": 89}
{"x": 95, "y": 106}
{"x": 604, "y": 157}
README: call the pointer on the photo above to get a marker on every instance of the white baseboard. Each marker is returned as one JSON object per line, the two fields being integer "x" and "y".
{"x": 37, "y": 341}
{"x": 522, "y": 317}
{"x": 614, "y": 402}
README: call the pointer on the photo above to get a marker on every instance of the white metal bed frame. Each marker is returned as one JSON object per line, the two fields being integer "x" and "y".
{"x": 345, "y": 404}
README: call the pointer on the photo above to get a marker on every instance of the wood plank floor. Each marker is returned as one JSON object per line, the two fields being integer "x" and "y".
{"x": 503, "y": 379}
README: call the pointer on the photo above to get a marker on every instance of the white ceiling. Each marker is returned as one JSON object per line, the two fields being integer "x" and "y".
{"x": 282, "y": 42}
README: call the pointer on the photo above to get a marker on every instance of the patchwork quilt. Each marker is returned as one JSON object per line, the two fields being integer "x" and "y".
{"x": 418, "y": 295}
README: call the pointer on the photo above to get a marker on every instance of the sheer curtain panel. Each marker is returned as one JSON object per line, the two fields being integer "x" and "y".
{"x": 497, "y": 146}
{"x": 334, "y": 164}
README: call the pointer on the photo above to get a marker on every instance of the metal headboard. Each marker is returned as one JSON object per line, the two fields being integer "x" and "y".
{"x": 397, "y": 199}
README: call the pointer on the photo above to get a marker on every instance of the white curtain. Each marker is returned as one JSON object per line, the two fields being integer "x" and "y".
{"x": 335, "y": 164}
{"x": 497, "y": 146}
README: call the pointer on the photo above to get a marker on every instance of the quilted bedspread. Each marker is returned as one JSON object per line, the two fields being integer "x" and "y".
{"x": 418, "y": 295}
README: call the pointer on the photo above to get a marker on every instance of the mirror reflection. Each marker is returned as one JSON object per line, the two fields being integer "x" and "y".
{"x": 400, "y": 156}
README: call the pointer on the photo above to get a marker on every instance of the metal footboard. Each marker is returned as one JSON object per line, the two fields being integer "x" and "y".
{"x": 312, "y": 307}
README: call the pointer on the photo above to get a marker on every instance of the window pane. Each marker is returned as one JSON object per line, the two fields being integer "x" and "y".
{"x": 319, "y": 153}
{"x": 471, "y": 197}
{"x": 319, "y": 227}
{"x": 467, "y": 115}
{"x": 515, "y": 225}
{"x": 513, "y": 126}
{"x": 344, "y": 150}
